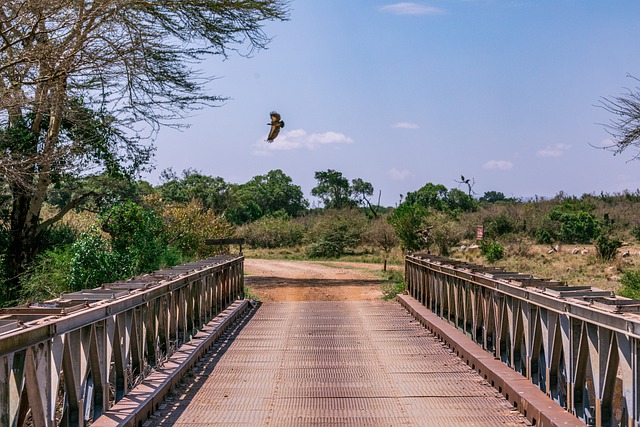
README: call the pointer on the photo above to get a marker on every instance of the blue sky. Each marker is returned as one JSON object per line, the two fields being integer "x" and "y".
{"x": 404, "y": 93}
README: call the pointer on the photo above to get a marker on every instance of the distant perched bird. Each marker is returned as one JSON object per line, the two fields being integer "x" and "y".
{"x": 276, "y": 124}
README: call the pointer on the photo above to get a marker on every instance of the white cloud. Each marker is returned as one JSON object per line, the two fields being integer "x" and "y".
{"x": 298, "y": 139}
{"x": 407, "y": 8}
{"x": 553, "y": 151}
{"x": 398, "y": 175}
{"x": 503, "y": 165}
{"x": 328, "y": 138}
{"x": 405, "y": 125}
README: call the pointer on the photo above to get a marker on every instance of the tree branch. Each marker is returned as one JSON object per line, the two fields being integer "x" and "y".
{"x": 71, "y": 205}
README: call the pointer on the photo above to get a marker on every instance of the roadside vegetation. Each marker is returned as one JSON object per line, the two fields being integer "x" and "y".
{"x": 135, "y": 228}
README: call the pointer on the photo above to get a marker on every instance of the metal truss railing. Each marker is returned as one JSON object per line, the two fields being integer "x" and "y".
{"x": 580, "y": 345}
{"x": 66, "y": 361}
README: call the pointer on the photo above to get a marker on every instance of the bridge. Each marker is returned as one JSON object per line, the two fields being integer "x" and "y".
{"x": 468, "y": 345}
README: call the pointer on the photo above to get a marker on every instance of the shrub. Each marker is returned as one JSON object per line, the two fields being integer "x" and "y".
{"x": 445, "y": 233}
{"x": 186, "y": 226}
{"x": 273, "y": 233}
{"x": 576, "y": 226}
{"x": 60, "y": 234}
{"x": 393, "y": 285}
{"x": 406, "y": 219}
{"x": 336, "y": 232}
{"x": 136, "y": 235}
{"x": 49, "y": 276}
{"x": 630, "y": 282}
{"x": 497, "y": 226}
{"x": 93, "y": 263}
{"x": 492, "y": 251}
{"x": 607, "y": 247}
{"x": 543, "y": 236}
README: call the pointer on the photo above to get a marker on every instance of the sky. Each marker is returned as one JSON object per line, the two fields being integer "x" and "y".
{"x": 400, "y": 94}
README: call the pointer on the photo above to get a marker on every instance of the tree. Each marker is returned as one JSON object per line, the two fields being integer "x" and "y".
{"x": 82, "y": 84}
{"x": 625, "y": 127}
{"x": 406, "y": 220}
{"x": 273, "y": 194}
{"x": 493, "y": 197}
{"x": 436, "y": 196}
{"x": 458, "y": 201}
{"x": 382, "y": 235}
{"x": 212, "y": 193}
{"x": 469, "y": 182}
{"x": 429, "y": 196}
{"x": 333, "y": 189}
{"x": 362, "y": 191}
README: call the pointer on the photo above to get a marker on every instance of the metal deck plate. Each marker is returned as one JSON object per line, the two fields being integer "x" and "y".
{"x": 363, "y": 363}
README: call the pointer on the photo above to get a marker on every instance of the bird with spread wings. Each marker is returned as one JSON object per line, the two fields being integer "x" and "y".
{"x": 276, "y": 124}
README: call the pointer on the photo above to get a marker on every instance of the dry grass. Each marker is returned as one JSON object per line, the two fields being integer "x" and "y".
{"x": 573, "y": 269}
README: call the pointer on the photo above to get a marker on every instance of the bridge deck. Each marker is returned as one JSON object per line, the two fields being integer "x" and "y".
{"x": 335, "y": 363}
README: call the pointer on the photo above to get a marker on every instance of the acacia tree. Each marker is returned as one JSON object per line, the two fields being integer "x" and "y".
{"x": 625, "y": 127}
{"x": 333, "y": 189}
{"x": 84, "y": 83}
{"x": 362, "y": 191}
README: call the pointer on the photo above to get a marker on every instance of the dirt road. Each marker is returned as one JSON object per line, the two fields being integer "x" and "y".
{"x": 312, "y": 281}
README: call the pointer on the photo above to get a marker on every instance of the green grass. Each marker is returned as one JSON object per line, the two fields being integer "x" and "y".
{"x": 393, "y": 284}
{"x": 249, "y": 294}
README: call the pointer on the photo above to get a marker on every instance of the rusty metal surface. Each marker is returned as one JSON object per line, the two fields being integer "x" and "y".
{"x": 68, "y": 360}
{"x": 537, "y": 406}
{"x": 578, "y": 344}
{"x": 334, "y": 363}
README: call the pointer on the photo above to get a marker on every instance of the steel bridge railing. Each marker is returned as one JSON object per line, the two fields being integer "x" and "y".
{"x": 67, "y": 361}
{"x": 580, "y": 345}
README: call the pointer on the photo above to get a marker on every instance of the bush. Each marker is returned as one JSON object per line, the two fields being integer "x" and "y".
{"x": 576, "y": 226}
{"x": 273, "y": 233}
{"x": 492, "y": 251}
{"x": 630, "y": 282}
{"x": 393, "y": 285}
{"x": 336, "y": 232}
{"x": 446, "y": 232}
{"x": 607, "y": 247}
{"x": 60, "y": 234}
{"x": 406, "y": 219}
{"x": 136, "y": 235}
{"x": 93, "y": 263}
{"x": 543, "y": 236}
{"x": 497, "y": 226}
{"x": 49, "y": 276}
{"x": 186, "y": 226}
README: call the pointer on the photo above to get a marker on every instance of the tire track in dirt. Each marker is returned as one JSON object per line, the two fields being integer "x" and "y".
{"x": 311, "y": 281}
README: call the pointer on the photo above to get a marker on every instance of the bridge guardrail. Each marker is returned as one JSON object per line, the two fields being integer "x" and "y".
{"x": 66, "y": 361}
{"x": 580, "y": 345}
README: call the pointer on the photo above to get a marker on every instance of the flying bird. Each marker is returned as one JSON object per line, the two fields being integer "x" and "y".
{"x": 276, "y": 124}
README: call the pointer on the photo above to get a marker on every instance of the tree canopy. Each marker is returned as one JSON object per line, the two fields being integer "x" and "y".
{"x": 272, "y": 194}
{"x": 333, "y": 189}
{"x": 82, "y": 84}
